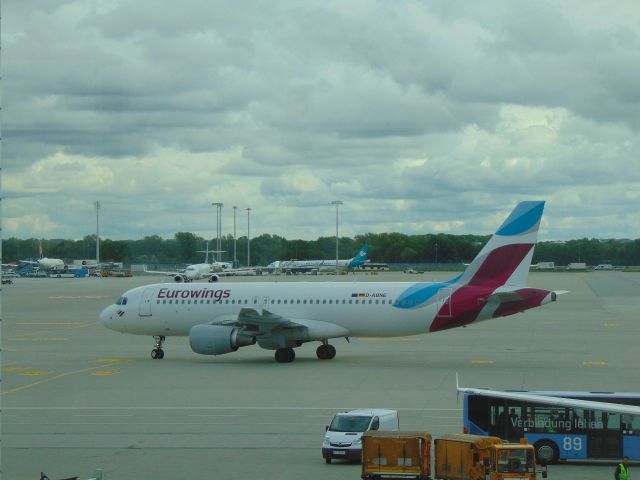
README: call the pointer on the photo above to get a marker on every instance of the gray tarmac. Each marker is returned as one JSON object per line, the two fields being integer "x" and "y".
{"x": 76, "y": 396}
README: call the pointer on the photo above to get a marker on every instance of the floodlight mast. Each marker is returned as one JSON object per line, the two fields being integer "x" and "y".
{"x": 337, "y": 203}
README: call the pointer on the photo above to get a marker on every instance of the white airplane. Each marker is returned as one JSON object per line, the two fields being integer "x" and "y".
{"x": 45, "y": 263}
{"x": 197, "y": 271}
{"x": 300, "y": 266}
{"x": 282, "y": 316}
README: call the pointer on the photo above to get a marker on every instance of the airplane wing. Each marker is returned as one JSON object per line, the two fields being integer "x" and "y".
{"x": 265, "y": 324}
{"x": 162, "y": 273}
{"x": 551, "y": 400}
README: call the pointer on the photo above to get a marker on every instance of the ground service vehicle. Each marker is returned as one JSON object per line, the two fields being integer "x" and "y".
{"x": 396, "y": 455}
{"x": 474, "y": 457}
{"x": 343, "y": 437}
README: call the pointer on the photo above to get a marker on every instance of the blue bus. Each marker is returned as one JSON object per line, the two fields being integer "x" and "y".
{"x": 558, "y": 432}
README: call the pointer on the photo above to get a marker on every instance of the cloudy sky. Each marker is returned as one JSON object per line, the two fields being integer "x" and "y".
{"x": 421, "y": 116}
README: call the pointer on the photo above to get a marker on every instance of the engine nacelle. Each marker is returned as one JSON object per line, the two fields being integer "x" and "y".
{"x": 178, "y": 278}
{"x": 213, "y": 278}
{"x": 217, "y": 339}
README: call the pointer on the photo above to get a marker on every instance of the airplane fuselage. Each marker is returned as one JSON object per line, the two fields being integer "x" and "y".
{"x": 362, "y": 309}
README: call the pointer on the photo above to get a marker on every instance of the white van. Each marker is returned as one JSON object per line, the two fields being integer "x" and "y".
{"x": 343, "y": 437}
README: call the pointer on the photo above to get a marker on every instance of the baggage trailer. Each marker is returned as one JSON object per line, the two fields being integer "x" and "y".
{"x": 391, "y": 455}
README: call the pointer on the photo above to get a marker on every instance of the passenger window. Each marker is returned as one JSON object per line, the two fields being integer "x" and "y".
{"x": 350, "y": 302}
{"x": 278, "y": 300}
{"x": 330, "y": 302}
{"x": 304, "y": 301}
{"x": 376, "y": 302}
{"x": 324, "y": 301}
{"x": 318, "y": 302}
{"x": 285, "y": 302}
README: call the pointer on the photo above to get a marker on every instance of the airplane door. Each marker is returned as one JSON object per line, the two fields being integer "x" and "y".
{"x": 145, "y": 302}
{"x": 444, "y": 301}
{"x": 265, "y": 303}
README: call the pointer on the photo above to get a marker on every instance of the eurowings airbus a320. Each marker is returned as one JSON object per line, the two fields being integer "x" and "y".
{"x": 219, "y": 319}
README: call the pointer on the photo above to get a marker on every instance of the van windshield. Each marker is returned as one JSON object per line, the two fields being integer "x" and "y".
{"x": 349, "y": 423}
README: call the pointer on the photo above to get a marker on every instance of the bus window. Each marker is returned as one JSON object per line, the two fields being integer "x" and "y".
{"x": 550, "y": 420}
{"x": 498, "y": 421}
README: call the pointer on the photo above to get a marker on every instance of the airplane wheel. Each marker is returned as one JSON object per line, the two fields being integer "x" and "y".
{"x": 157, "y": 354}
{"x": 332, "y": 352}
{"x": 285, "y": 355}
{"x": 326, "y": 352}
{"x": 327, "y": 460}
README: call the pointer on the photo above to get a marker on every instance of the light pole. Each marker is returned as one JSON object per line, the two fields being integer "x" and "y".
{"x": 218, "y": 206}
{"x": 97, "y": 204}
{"x": 235, "y": 260}
{"x": 336, "y": 203}
{"x": 248, "y": 239}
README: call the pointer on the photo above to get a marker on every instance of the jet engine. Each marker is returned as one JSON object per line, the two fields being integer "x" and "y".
{"x": 178, "y": 278}
{"x": 217, "y": 339}
{"x": 213, "y": 278}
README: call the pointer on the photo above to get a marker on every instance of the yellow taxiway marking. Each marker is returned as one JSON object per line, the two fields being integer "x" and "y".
{"x": 594, "y": 363}
{"x": 34, "y": 373}
{"x": 68, "y": 325}
{"x": 46, "y": 323}
{"x": 612, "y": 324}
{"x": 113, "y": 360}
{"x": 483, "y": 362}
{"x": 104, "y": 373}
{"x": 548, "y": 322}
{"x": 55, "y": 377}
{"x": 37, "y": 339}
{"x": 13, "y": 369}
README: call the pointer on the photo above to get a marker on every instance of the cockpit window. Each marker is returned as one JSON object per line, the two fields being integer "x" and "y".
{"x": 122, "y": 301}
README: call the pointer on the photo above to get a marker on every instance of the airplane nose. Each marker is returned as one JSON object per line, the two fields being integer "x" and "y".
{"x": 105, "y": 316}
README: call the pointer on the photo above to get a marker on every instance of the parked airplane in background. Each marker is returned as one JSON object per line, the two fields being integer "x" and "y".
{"x": 197, "y": 271}
{"x": 282, "y": 316}
{"x": 303, "y": 266}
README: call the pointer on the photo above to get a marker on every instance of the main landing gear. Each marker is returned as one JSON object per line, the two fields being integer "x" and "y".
{"x": 326, "y": 351}
{"x": 158, "y": 353}
{"x": 285, "y": 355}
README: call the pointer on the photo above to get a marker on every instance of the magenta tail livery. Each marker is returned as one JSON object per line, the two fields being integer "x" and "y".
{"x": 281, "y": 316}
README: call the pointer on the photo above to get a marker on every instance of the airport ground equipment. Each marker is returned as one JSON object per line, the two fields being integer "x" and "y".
{"x": 390, "y": 455}
{"x": 343, "y": 437}
{"x": 475, "y": 457}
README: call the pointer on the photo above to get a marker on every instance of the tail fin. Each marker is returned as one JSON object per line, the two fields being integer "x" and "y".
{"x": 360, "y": 258}
{"x": 506, "y": 257}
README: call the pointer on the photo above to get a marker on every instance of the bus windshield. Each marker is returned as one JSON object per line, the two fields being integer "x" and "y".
{"x": 349, "y": 423}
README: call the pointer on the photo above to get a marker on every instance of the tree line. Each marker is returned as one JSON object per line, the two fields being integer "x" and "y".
{"x": 383, "y": 248}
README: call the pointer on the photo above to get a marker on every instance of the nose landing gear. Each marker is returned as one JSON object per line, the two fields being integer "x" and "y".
{"x": 158, "y": 353}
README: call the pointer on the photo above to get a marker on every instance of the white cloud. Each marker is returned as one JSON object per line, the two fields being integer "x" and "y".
{"x": 418, "y": 116}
